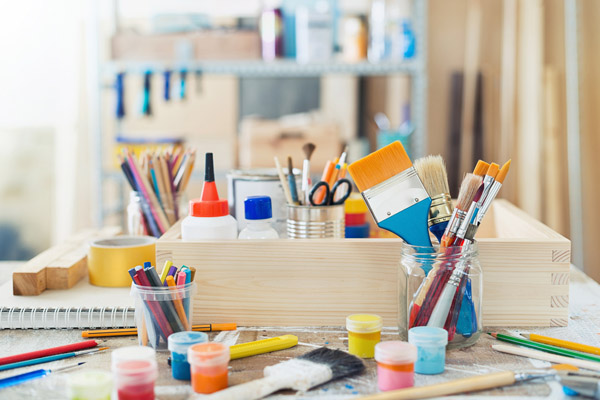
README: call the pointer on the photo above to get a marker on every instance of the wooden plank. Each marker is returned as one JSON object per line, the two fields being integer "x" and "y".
{"x": 59, "y": 267}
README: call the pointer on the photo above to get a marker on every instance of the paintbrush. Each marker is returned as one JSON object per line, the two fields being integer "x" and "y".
{"x": 302, "y": 373}
{"x": 394, "y": 193}
{"x": 292, "y": 181}
{"x": 540, "y": 355}
{"x": 495, "y": 188}
{"x": 284, "y": 185}
{"x": 468, "y": 188}
{"x": 472, "y": 384}
{"x": 308, "y": 149}
{"x": 432, "y": 172}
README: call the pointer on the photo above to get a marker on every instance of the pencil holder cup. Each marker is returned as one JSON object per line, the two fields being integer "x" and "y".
{"x": 315, "y": 222}
{"x": 441, "y": 288}
{"x": 141, "y": 214}
{"x": 162, "y": 311}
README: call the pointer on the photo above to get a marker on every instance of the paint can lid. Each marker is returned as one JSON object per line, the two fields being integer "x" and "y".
{"x": 258, "y": 207}
{"x": 395, "y": 352}
{"x": 364, "y": 323}
{"x": 90, "y": 385}
{"x": 428, "y": 335}
{"x": 179, "y": 342}
{"x": 208, "y": 354}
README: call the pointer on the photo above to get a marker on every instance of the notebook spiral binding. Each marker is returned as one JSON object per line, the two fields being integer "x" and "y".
{"x": 66, "y": 318}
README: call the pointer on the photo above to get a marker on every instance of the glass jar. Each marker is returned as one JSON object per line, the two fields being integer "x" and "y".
{"x": 441, "y": 289}
{"x": 141, "y": 219}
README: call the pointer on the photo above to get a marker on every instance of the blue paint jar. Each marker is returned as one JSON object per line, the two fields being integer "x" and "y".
{"x": 431, "y": 349}
{"x": 178, "y": 346}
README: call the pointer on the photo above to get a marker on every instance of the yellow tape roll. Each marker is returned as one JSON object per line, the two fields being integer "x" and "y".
{"x": 110, "y": 259}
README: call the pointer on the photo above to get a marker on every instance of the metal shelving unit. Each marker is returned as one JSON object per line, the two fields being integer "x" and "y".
{"x": 416, "y": 68}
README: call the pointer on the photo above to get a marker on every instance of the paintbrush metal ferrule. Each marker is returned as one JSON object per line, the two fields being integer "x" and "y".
{"x": 488, "y": 202}
{"x": 464, "y": 225}
{"x": 529, "y": 374}
{"x": 395, "y": 194}
{"x": 441, "y": 209}
{"x": 305, "y": 169}
{"x": 459, "y": 216}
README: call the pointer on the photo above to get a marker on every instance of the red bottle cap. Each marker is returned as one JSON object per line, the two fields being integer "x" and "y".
{"x": 210, "y": 208}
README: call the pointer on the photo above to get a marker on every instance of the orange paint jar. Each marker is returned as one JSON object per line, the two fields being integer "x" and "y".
{"x": 208, "y": 365}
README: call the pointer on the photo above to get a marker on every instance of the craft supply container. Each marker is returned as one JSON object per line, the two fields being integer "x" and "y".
{"x": 179, "y": 343}
{"x": 175, "y": 207}
{"x": 89, "y": 385}
{"x": 208, "y": 365}
{"x": 158, "y": 311}
{"x": 134, "y": 372}
{"x": 364, "y": 332}
{"x": 315, "y": 222}
{"x": 441, "y": 289}
{"x": 431, "y": 349}
{"x": 395, "y": 365}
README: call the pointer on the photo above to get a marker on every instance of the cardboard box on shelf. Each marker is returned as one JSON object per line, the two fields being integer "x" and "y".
{"x": 260, "y": 140}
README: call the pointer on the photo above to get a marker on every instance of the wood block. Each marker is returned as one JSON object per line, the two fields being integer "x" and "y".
{"x": 59, "y": 267}
{"x": 319, "y": 282}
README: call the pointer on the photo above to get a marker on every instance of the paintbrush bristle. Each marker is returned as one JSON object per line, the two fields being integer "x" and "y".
{"x": 503, "y": 171}
{"x": 341, "y": 363}
{"x": 308, "y": 149}
{"x": 468, "y": 189}
{"x": 379, "y": 166}
{"x": 432, "y": 172}
{"x": 493, "y": 170}
{"x": 481, "y": 168}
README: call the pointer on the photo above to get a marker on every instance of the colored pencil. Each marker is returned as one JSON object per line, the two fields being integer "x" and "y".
{"x": 178, "y": 304}
{"x": 545, "y": 347}
{"x": 43, "y": 360}
{"x": 133, "y": 331}
{"x": 49, "y": 352}
{"x": 565, "y": 344}
{"x": 540, "y": 355}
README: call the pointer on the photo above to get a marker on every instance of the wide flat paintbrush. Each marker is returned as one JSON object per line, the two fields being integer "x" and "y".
{"x": 302, "y": 373}
{"x": 394, "y": 193}
{"x": 432, "y": 172}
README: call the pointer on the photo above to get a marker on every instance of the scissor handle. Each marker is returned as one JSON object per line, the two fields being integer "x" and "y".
{"x": 335, "y": 188}
{"x": 315, "y": 189}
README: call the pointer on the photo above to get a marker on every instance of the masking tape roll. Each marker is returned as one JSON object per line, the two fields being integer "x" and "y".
{"x": 109, "y": 260}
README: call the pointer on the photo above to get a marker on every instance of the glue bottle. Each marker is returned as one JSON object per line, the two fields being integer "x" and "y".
{"x": 209, "y": 217}
{"x": 258, "y": 217}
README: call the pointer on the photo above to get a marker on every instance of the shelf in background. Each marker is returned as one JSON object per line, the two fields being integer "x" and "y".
{"x": 259, "y": 68}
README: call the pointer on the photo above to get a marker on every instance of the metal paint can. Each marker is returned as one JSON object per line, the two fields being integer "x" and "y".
{"x": 315, "y": 222}
{"x": 258, "y": 182}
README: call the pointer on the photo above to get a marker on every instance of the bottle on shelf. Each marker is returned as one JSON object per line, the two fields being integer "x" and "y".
{"x": 259, "y": 215}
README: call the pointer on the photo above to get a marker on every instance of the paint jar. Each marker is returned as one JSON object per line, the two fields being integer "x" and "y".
{"x": 179, "y": 343}
{"x": 208, "y": 362}
{"x": 315, "y": 222}
{"x": 431, "y": 349}
{"x": 441, "y": 289}
{"x": 134, "y": 372}
{"x": 395, "y": 364}
{"x": 162, "y": 311}
{"x": 364, "y": 332}
{"x": 89, "y": 385}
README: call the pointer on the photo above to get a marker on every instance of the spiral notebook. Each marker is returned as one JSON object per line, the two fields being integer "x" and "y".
{"x": 84, "y": 306}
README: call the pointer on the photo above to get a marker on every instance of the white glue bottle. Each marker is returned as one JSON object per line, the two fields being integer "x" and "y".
{"x": 258, "y": 218}
{"x": 209, "y": 217}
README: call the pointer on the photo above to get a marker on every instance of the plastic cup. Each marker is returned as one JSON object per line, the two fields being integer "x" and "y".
{"x": 364, "y": 332}
{"x": 208, "y": 362}
{"x": 431, "y": 348}
{"x": 89, "y": 385}
{"x": 134, "y": 372}
{"x": 179, "y": 343}
{"x": 395, "y": 365}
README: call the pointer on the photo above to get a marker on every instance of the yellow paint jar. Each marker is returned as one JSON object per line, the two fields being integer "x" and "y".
{"x": 364, "y": 332}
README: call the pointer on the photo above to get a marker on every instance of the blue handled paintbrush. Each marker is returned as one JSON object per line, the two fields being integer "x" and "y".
{"x": 28, "y": 376}
{"x": 394, "y": 193}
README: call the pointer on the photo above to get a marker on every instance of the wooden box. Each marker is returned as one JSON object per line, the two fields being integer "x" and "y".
{"x": 319, "y": 282}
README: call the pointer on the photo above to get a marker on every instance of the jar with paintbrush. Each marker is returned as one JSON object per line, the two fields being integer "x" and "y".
{"x": 441, "y": 289}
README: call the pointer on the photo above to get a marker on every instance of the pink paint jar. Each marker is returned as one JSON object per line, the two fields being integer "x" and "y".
{"x": 134, "y": 372}
{"x": 395, "y": 364}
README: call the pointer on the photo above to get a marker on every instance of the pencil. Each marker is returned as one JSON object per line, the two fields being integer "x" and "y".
{"x": 178, "y": 305}
{"x": 545, "y": 347}
{"x": 49, "y": 352}
{"x": 43, "y": 360}
{"x": 565, "y": 344}
{"x": 133, "y": 331}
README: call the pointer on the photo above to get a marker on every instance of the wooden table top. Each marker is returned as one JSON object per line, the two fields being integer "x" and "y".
{"x": 584, "y": 326}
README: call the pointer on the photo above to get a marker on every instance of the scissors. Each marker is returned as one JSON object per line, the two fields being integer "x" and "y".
{"x": 329, "y": 198}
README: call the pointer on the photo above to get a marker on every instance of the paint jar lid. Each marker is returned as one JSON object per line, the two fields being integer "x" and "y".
{"x": 208, "y": 354}
{"x": 364, "y": 323}
{"x": 180, "y": 342}
{"x": 395, "y": 352}
{"x": 89, "y": 385}
{"x": 135, "y": 362}
{"x": 428, "y": 335}
{"x": 355, "y": 204}
{"x": 258, "y": 207}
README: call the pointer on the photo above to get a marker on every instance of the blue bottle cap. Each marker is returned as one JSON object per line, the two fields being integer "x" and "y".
{"x": 258, "y": 207}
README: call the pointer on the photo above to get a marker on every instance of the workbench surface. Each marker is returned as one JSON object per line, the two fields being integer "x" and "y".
{"x": 584, "y": 326}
